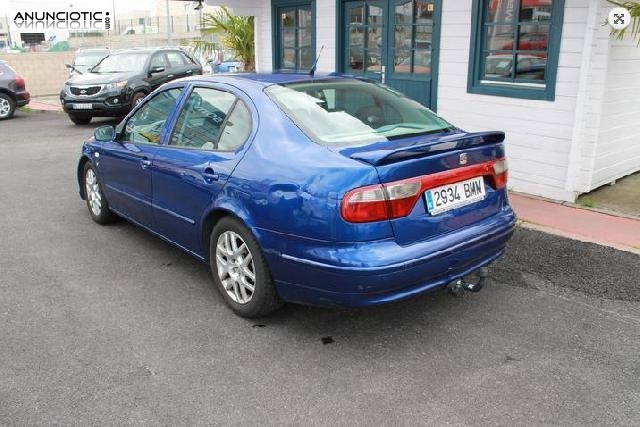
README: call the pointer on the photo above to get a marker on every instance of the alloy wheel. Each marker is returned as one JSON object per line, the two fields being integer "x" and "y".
{"x": 5, "y": 107}
{"x": 92, "y": 191}
{"x": 235, "y": 267}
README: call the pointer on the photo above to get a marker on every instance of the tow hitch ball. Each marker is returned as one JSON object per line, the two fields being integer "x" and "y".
{"x": 469, "y": 283}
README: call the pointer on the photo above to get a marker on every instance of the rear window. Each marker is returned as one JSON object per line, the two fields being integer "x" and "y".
{"x": 353, "y": 112}
{"x": 5, "y": 68}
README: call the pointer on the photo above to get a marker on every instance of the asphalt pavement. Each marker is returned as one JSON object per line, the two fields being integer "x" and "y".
{"x": 110, "y": 325}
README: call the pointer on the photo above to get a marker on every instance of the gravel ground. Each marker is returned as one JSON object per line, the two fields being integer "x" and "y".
{"x": 592, "y": 269}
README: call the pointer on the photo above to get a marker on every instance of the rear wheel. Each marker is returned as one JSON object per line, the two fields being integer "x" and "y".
{"x": 240, "y": 271}
{"x": 96, "y": 202}
{"x": 80, "y": 120}
{"x": 7, "y": 106}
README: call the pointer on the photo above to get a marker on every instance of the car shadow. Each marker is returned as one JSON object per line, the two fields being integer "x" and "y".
{"x": 389, "y": 323}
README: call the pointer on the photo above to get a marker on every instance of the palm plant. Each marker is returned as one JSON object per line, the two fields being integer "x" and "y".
{"x": 236, "y": 33}
{"x": 634, "y": 10}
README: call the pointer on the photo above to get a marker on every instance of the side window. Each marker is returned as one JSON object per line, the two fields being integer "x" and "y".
{"x": 176, "y": 59}
{"x": 237, "y": 129}
{"x": 146, "y": 125}
{"x": 159, "y": 60}
{"x": 202, "y": 118}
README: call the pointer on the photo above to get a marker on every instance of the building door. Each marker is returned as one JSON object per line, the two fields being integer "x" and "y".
{"x": 393, "y": 41}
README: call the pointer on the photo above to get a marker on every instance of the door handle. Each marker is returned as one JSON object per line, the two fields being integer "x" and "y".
{"x": 145, "y": 163}
{"x": 170, "y": 76}
{"x": 210, "y": 176}
{"x": 189, "y": 71}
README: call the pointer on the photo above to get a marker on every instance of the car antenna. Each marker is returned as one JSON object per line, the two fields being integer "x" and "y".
{"x": 312, "y": 71}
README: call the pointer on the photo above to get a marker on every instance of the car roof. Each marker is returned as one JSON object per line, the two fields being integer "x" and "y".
{"x": 148, "y": 49}
{"x": 268, "y": 79}
{"x": 101, "y": 49}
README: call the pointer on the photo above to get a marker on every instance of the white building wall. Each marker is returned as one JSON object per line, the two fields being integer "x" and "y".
{"x": 539, "y": 133}
{"x": 326, "y": 32}
{"x": 617, "y": 152}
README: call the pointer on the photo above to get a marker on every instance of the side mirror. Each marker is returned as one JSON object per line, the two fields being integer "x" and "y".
{"x": 156, "y": 69}
{"x": 104, "y": 133}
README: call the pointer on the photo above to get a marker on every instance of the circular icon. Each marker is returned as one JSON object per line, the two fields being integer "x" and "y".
{"x": 619, "y": 18}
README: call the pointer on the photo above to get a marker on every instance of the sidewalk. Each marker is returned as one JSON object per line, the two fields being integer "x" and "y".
{"x": 45, "y": 103}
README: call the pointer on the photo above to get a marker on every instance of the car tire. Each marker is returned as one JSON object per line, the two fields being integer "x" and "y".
{"x": 7, "y": 106}
{"x": 137, "y": 99}
{"x": 80, "y": 120}
{"x": 237, "y": 265}
{"x": 94, "y": 196}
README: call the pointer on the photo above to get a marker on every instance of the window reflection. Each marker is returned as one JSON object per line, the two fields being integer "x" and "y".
{"x": 413, "y": 36}
{"x": 295, "y": 38}
{"x": 516, "y": 35}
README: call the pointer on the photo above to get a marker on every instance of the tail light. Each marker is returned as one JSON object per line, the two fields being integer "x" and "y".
{"x": 20, "y": 82}
{"x": 380, "y": 202}
{"x": 396, "y": 199}
{"x": 500, "y": 173}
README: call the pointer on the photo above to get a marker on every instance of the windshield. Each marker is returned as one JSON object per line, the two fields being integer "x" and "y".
{"x": 351, "y": 112}
{"x": 122, "y": 62}
{"x": 89, "y": 59}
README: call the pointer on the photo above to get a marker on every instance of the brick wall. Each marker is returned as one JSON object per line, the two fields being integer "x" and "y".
{"x": 44, "y": 72}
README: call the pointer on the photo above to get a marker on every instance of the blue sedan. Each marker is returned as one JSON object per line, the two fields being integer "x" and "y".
{"x": 326, "y": 190}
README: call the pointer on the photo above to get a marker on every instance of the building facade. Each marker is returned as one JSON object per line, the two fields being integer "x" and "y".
{"x": 547, "y": 72}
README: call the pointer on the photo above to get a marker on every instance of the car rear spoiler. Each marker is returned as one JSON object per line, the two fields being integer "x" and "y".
{"x": 424, "y": 147}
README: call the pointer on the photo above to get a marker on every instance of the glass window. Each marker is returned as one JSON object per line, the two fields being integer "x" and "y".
{"x": 122, "y": 62}
{"x": 202, "y": 119}
{"x": 413, "y": 36}
{"x": 159, "y": 60}
{"x": 339, "y": 113}
{"x": 294, "y": 36}
{"x": 365, "y": 38}
{"x": 146, "y": 125}
{"x": 513, "y": 54}
{"x": 176, "y": 59}
{"x": 237, "y": 129}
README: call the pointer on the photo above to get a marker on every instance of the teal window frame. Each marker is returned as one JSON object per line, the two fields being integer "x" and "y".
{"x": 514, "y": 90}
{"x": 276, "y": 7}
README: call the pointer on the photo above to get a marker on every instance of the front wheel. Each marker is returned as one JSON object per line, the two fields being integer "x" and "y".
{"x": 96, "y": 202}
{"x": 137, "y": 99}
{"x": 240, "y": 271}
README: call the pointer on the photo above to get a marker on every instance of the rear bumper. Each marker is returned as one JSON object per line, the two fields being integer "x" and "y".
{"x": 371, "y": 273}
{"x": 22, "y": 98}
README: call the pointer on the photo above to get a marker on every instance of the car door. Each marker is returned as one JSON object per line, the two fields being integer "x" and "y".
{"x": 203, "y": 150}
{"x": 159, "y": 70}
{"x": 125, "y": 164}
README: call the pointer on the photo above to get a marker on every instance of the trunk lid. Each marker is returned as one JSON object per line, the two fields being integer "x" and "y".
{"x": 435, "y": 161}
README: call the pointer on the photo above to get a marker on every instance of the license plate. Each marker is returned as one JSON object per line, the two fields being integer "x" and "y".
{"x": 451, "y": 196}
{"x": 82, "y": 106}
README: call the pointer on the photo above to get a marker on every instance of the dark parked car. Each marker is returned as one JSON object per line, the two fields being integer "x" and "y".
{"x": 12, "y": 91}
{"x": 85, "y": 59}
{"x": 328, "y": 191}
{"x": 121, "y": 80}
